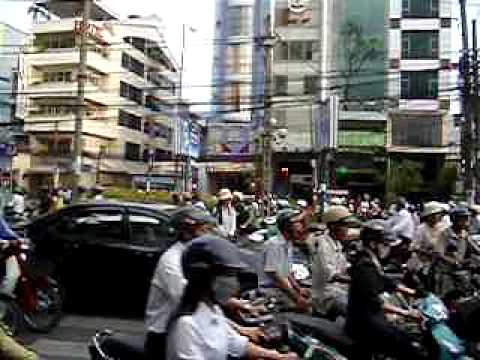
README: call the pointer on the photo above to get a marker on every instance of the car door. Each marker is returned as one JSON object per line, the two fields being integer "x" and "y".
{"x": 150, "y": 236}
{"x": 95, "y": 262}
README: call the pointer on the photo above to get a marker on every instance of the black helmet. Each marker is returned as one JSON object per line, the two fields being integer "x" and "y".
{"x": 189, "y": 216}
{"x": 286, "y": 217}
{"x": 459, "y": 212}
{"x": 209, "y": 255}
{"x": 374, "y": 231}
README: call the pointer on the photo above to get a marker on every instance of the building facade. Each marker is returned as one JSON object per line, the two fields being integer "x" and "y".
{"x": 11, "y": 41}
{"x": 421, "y": 60}
{"x": 130, "y": 98}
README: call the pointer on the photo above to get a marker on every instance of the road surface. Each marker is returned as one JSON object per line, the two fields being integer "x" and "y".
{"x": 69, "y": 340}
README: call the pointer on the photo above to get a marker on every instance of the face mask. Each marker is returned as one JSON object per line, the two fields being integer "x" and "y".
{"x": 224, "y": 288}
{"x": 383, "y": 251}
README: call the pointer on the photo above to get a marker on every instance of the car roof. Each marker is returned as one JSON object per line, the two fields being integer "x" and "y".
{"x": 165, "y": 209}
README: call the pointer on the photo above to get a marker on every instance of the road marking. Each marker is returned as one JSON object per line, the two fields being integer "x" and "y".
{"x": 48, "y": 349}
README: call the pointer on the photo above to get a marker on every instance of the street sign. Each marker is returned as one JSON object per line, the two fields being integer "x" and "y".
{"x": 325, "y": 119}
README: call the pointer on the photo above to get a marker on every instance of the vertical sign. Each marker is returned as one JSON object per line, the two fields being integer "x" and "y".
{"x": 325, "y": 117}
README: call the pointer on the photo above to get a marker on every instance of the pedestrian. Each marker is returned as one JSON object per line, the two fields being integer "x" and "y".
{"x": 176, "y": 199}
{"x": 197, "y": 201}
{"x": 18, "y": 202}
{"x": 475, "y": 219}
{"x": 186, "y": 198}
{"x": 226, "y": 214}
{"x": 402, "y": 224}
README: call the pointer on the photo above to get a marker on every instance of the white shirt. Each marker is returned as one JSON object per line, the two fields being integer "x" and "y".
{"x": 404, "y": 224}
{"x": 18, "y": 203}
{"x": 205, "y": 335}
{"x": 229, "y": 220}
{"x": 166, "y": 289}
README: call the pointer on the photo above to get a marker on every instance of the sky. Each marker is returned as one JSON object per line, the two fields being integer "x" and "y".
{"x": 196, "y": 14}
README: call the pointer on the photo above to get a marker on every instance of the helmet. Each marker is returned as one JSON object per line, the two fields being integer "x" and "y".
{"x": 431, "y": 208}
{"x": 189, "y": 216}
{"x": 337, "y": 214}
{"x": 401, "y": 202}
{"x": 374, "y": 230}
{"x": 286, "y": 217}
{"x": 458, "y": 212}
{"x": 283, "y": 204}
{"x": 210, "y": 255}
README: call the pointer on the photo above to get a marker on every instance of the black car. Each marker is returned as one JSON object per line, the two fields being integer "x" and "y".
{"x": 104, "y": 253}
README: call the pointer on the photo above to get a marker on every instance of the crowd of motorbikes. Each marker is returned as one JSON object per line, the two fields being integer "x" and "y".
{"x": 448, "y": 328}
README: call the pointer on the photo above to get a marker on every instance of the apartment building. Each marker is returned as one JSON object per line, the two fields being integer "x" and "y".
{"x": 306, "y": 49}
{"x": 11, "y": 40}
{"x": 130, "y": 99}
{"x": 421, "y": 59}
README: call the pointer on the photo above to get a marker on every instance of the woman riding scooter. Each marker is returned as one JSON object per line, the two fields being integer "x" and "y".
{"x": 199, "y": 330}
{"x": 366, "y": 320}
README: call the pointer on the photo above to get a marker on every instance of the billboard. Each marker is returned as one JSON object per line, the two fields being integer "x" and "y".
{"x": 230, "y": 140}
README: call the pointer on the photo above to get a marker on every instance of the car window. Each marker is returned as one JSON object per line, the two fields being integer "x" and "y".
{"x": 96, "y": 225}
{"x": 149, "y": 231}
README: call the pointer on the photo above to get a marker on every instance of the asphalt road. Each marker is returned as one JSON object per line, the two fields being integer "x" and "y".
{"x": 70, "y": 339}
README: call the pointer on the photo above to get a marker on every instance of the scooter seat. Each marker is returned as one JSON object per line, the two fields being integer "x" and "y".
{"x": 119, "y": 346}
{"x": 329, "y": 332}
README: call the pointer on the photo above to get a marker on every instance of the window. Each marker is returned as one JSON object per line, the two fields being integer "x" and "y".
{"x": 149, "y": 231}
{"x": 310, "y": 85}
{"x": 419, "y": 84}
{"x": 281, "y": 117}
{"x": 295, "y": 50}
{"x": 60, "y": 147}
{"x": 96, "y": 225}
{"x": 281, "y": 51}
{"x": 133, "y": 65}
{"x": 57, "y": 76}
{"x": 56, "y": 110}
{"x": 129, "y": 121}
{"x": 446, "y": 23}
{"x": 394, "y": 23}
{"x": 132, "y": 151}
{"x": 420, "y": 44}
{"x": 55, "y": 40}
{"x": 131, "y": 92}
{"x": 238, "y": 20}
{"x": 420, "y": 8}
{"x": 281, "y": 85}
{"x": 417, "y": 131}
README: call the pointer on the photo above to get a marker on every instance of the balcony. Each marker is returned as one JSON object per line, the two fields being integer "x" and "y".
{"x": 66, "y": 124}
{"x": 51, "y": 57}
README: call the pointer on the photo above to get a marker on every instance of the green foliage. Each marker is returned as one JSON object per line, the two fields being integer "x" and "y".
{"x": 405, "y": 177}
{"x": 446, "y": 179}
{"x": 358, "y": 51}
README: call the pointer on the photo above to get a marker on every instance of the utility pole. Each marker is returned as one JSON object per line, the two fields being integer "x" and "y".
{"x": 476, "y": 119}
{"x": 80, "y": 108}
{"x": 268, "y": 44}
{"x": 467, "y": 108}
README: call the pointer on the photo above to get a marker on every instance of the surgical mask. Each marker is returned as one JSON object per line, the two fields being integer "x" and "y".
{"x": 383, "y": 251}
{"x": 224, "y": 288}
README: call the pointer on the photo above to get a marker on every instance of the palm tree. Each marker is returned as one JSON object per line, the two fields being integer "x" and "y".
{"x": 39, "y": 9}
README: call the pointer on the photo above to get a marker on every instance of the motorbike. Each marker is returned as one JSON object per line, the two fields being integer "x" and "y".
{"x": 38, "y": 298}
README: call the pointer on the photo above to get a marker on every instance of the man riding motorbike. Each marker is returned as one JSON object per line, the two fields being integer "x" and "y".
{"x": 9, "y": 348}
{"x": 168, "y": 281}
{"x": 454, "y": 248}
{"x": 427, "y": 238}
{"x": 366, "y": 320}
{"x": 329, "y": 292}
{"x": 279, "y": 252}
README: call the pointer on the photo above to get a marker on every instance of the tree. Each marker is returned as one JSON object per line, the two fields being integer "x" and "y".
{"x": 405, "y": 177}
{"x": 39, "y": 8}
{"x": 358, "y": 51}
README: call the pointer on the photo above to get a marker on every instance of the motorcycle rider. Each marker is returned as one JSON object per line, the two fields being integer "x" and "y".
{"x": 427, "y": 238}
{"x": 402, "y": 224}
{"x": 329, "y": 290}
{"x": 168, "y": 281}
{"x": 9, "y": 348}
{"x": 278, "y": 254}
{"x": 454, "y": 249}
{"x": 199, "y": 330}
{"x": 366, "y": 320}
